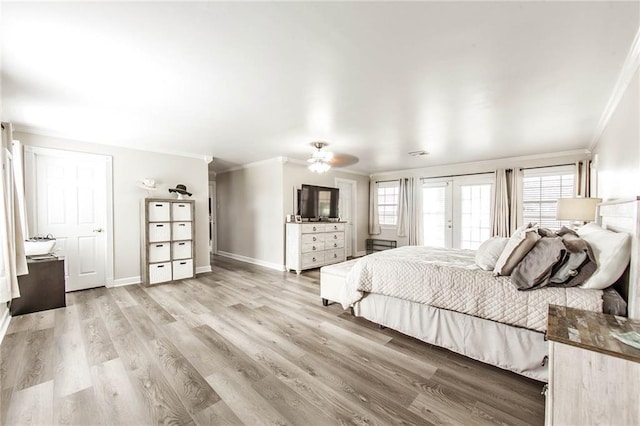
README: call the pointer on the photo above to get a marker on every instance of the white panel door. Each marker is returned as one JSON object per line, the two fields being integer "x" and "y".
{"x": 437, "y": 214}
{"x": 71, "y": 205}
{"x": 346, "y": 205}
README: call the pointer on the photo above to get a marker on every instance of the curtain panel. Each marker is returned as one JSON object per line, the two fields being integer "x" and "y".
{"x": 410, "y": 211}
{"x": 374, "y": 218}
{"x": 507, "y": 202}
{"x": 583, "y": 179}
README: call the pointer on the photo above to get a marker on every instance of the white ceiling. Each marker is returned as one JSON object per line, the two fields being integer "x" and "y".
{"x": 245, "y": 82}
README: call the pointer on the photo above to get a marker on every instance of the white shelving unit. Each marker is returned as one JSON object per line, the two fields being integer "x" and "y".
{"x": 168, "y": 240}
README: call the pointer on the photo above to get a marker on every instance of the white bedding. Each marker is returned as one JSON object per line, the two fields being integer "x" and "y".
{"x": 450, "y": 279}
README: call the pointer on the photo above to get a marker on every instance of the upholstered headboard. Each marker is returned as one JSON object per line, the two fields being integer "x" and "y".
{"x": 623, "y": 216}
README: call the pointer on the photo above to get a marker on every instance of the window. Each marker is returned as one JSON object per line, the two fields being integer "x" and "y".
{"x": 475, "y": 224}
{"x": 434, "y": 214}
{"x": 540, "y": 192}
{"x": 388, "y": 198}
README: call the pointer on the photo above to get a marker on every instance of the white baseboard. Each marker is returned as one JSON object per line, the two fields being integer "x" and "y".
{"x": 4, "y": 323}
{"x": 126, "y": 281}
{"x": 251, "y": 260}
{"x": 203, "y": 269}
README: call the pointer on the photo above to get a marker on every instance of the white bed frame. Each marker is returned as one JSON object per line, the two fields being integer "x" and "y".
{"x": 513, "y": 348}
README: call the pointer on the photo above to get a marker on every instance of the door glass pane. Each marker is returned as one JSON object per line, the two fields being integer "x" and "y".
{"x": 475, "y": 215}
{"x": 434, "y": 215}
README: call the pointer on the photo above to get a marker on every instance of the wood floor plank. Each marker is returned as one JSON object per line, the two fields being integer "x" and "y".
{"x": 38, "y": 364}
{"x": 72, "y": 372}
{"x": 32, "y": 406}
{"x": 193, "y": 390}
{"x": 244, "y": 401}
{"x": 152, "y": 308}
{"x": 77, "y": 409}
{"x": 11, "y": 356}
{"x": 217, "y": 414}
{"x": 97, "y": 341}
{"x": 116, "y": 398}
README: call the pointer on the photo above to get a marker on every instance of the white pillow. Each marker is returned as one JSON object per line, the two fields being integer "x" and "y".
{"x": 612, "y": 251}
{"x": 520, "y": 243}
{"x": 489, "y": 252}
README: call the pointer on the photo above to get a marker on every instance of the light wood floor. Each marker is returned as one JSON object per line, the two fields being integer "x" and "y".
{"x": 241, "y": 345}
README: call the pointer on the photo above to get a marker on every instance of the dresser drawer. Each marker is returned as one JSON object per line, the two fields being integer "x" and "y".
{"x": 338, "y": 227}
{"x": 159, "y": 272}
{"x": 159, "y": 252}
{"x": 182, "y": 250}
{"x": 312, "y": 247}
{"x": 159, "y": 232}
{"x": 181, "y": 211}
{"x": 309, "y": 228}
{"x": 312, "y": 238}
{"x": 333, "y": 244}
{"x": 158, "y": 212}
{"x": 312, "y": 260}
{"x": 181, "y": 230}
{"x": 334, "y": 236}
{"x": 334, "y": 255}
{"x": 182, "y": 269}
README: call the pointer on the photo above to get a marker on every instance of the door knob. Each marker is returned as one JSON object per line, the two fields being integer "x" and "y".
{"x": 98, "y": 230}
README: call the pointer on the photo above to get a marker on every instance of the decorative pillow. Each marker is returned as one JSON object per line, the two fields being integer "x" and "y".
{"x": 520, "y": 243}
{"x": 489, "y": 252}
{"x": 612, "y": 251}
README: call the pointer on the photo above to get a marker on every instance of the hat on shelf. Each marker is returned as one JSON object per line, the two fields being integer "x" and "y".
{"x": 180, "y": 189}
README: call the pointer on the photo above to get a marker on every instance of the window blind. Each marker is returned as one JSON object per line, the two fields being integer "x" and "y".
{"x": 540, "y": 193}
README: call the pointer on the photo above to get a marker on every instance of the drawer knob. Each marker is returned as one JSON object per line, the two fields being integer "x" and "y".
{"x": 335, "y": 255}
{"x": 183, "y": 263}
{"x": 313, "y": 247}
{"x": 180, "y": 244}
{"x": 335, "y": 244}
{"x": 160, "y": 266}
{"x": 314, "y": 238}
{"x": 158, "y": 205}
{"x": 181, "y": 224}
{"x": 159, "y": 245}
{"x": 335, "y": 237}
{"x": 314, "y": 228}
{"x": 159, "y": 226}
{"x": 314, "y": 259}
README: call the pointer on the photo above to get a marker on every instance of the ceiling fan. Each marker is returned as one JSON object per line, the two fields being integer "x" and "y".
{"x": 322, "y": 160}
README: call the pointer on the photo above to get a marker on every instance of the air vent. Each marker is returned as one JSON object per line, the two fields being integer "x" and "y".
{"x": 418, "y": 153}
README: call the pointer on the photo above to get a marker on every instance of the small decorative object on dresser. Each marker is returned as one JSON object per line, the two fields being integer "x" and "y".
{"x": 168, "y": 240}
{"x": 592, "y": 376}
{"x": 311, "y": 245}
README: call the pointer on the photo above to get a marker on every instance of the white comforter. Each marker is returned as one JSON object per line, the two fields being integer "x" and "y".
{"x": 450, "y": 279}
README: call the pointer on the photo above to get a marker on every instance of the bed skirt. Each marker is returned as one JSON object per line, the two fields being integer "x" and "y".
{"x": 512, "y": 348}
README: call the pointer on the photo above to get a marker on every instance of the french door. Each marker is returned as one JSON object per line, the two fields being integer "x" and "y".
{"x": 457, "y": 211}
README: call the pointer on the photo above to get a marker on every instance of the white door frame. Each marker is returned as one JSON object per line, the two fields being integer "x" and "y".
{"x": 30, "y": 153}
{"x": 354, "y": 216}
{"x": 213, "y": 217}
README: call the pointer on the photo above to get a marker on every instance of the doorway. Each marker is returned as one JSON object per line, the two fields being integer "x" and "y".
{"x": 347, "y": 202}
{"x": 70, "y": 197}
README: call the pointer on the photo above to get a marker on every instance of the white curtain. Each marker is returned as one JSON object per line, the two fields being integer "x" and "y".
{"x": 19, "y": 207}
{"x": 507, "y": 199}
{"x": 583, "y": 179}
{"x": 12, "y": 260}
{"x": 374, "y": 218}
{"x": 410, "y": 211}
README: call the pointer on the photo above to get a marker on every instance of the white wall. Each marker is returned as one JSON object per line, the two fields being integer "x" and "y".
{"x": 250, "y": 213}
{"x": 477, "y": 167}
{"x": 617, "y": 154}
{"x": 129, "y": 167}
{"x": 296, "y": 174}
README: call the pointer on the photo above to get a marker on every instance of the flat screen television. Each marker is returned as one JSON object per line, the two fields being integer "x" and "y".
{"x": 318, "y": 202}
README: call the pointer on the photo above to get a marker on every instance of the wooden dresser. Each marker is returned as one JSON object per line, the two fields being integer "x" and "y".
{"x": 314, "y": 244}
{"x": 593, "y": 377}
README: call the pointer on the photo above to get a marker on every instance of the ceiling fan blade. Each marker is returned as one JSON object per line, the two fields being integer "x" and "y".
{"x": 343, "y": 160}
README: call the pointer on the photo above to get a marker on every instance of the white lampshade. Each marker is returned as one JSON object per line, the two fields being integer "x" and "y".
{"x": 578, "y": 209}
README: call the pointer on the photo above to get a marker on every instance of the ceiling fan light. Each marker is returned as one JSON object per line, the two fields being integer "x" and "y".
{"x": 319, "y": 166}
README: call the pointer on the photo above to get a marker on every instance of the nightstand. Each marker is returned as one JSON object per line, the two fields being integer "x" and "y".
{"x": 593, "y": 377}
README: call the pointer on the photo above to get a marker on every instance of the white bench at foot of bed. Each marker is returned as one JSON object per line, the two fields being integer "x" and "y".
{"x": 333, "y": 280}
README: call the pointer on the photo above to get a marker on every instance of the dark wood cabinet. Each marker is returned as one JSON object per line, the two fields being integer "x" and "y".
{"x": 42, "y": 289}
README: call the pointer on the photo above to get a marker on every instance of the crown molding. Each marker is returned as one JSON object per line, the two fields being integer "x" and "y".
{"x": 255, "y": 164}
{"x": 489, "y": 163}
{"x": 631, "y": 64}
{"x": 50, "y": 134}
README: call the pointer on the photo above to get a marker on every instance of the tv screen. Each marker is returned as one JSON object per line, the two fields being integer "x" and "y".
{"x": 318, "y": 202}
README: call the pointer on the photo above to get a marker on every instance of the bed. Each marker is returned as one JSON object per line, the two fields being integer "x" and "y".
{"x": 507, "y": 331}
